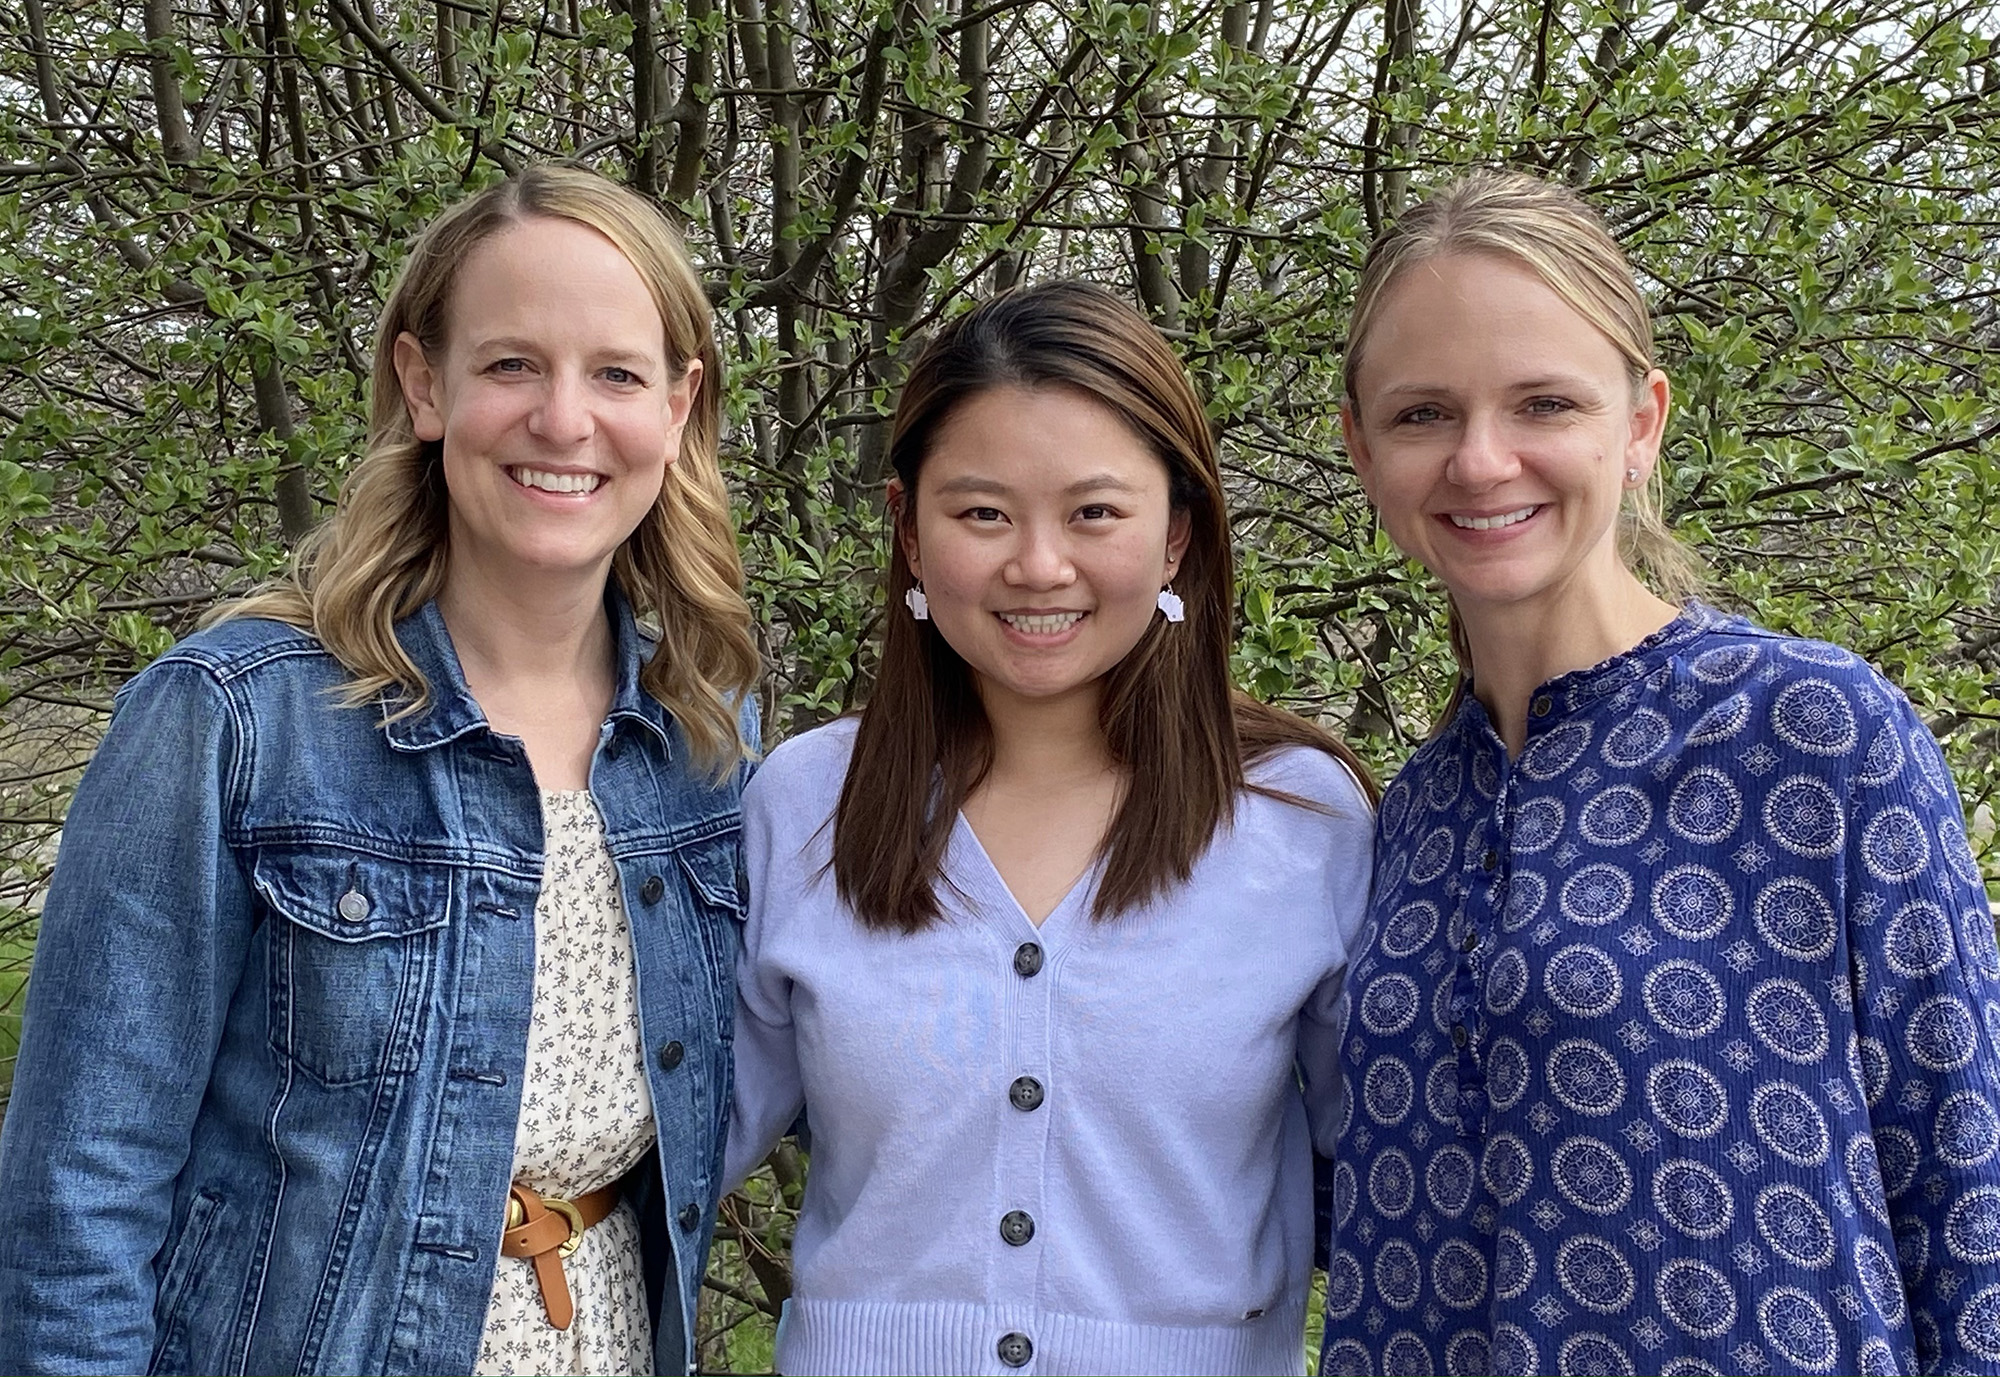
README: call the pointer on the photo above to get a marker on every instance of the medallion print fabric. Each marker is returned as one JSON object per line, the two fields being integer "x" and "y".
{"x": 586, "y": 1114}
{"x": 1671, "y": 1044}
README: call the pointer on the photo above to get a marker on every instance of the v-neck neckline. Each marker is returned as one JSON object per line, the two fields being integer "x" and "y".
{"x": 980, "y": 869}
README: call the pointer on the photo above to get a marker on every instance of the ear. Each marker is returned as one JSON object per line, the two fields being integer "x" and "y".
{"x": 1180, "y": 527}
{"x": 1649, "y": 423}
{"x": 903, "y": 525}
{"x": 422, "y": 395}
{"x": 680, "y": 405}
{"x": 1357, "y": 448}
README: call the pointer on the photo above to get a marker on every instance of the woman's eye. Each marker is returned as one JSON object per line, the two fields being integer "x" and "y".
{"x": 508, "y": 366}
{"x": 1096, "y": 511}
{"x": 1549, "y": 406}
{"x": 620, "y": 376}
{"x": 1419, "y": 416}
{"x": 984, "y": 514}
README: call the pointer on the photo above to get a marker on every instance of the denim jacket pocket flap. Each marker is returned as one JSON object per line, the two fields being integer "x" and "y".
{"x": 714, "y": 867}
{"x": 352, "y": 897}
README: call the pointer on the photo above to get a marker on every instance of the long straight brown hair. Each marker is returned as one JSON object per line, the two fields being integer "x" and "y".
{"x": 1170, "y": 715}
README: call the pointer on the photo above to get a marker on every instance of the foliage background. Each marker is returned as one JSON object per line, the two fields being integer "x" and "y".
{"x": 202, "y": 202}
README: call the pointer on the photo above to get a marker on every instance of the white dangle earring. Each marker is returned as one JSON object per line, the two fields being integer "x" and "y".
{"x": 920, "y": 606}
{"x": 1171, "y": 605}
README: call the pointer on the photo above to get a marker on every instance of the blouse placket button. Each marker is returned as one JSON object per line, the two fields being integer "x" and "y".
{"x": 1540, "y": 707}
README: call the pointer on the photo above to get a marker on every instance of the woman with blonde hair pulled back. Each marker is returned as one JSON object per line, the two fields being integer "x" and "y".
{"x": 1671, "y": 1039}
{"x": 379, "y": 1014}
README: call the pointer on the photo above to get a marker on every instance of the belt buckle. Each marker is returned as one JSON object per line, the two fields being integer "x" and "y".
{"x": 568, "y": 1212}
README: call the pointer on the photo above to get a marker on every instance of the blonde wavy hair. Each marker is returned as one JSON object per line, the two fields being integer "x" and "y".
{"x": 385, "y": 550}
{"x": 1555, "y": 234}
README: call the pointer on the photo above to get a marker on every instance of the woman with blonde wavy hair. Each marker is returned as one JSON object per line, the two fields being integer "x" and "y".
{"x": 379, "y": 1020}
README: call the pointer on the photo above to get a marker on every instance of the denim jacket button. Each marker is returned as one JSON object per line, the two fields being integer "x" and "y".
{"x": 353, "y": 906}
{"x": 690, "y": 1218}
{"x": 651, "y": 890}
{"x": 671, "y": 1054}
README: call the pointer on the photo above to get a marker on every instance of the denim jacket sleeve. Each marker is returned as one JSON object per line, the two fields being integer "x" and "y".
{"x": 142, "y": 944}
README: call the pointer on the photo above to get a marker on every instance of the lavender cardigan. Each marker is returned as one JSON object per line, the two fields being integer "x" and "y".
{"x": 1083, "y": 1147}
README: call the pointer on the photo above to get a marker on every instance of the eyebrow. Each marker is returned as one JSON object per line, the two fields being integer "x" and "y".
{"x": 1549, "y": 382}
{"x": 514, "y": 344}
{"x": 973, "y": 483}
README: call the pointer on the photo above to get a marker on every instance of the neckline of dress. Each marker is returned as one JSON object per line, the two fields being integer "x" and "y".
{"x": 1575, "y": 687}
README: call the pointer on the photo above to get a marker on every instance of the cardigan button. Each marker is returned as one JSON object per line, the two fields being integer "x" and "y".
{"x": 1016, "y": 1228}
{"x": 1027, "y": 962}
{"x": 651, "y": 889}
{"x": 670, "y": 1055}
{"x": 1025, "y": 1093}
{"x": 1015, "y": 1350}
{"x": 690, "y": 1217}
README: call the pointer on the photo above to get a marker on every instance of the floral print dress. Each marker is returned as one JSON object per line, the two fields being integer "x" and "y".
{"x": 586, "y": 1115}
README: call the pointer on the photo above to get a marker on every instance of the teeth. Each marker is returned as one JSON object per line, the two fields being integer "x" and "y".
{"x": 1488, "y": 523}
{"x": 556, "y": 482}
{"x": 1042, "y": 624}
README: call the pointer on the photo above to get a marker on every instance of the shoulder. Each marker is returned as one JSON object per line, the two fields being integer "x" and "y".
{"x": 1808, "y": 697}
{"x": 243, "y": 645}
{"x": 231, "y": 653}
{"x": 1736, "y": 654}
{"x": 1315, "y": 777}
{"x": 803, "y": 769}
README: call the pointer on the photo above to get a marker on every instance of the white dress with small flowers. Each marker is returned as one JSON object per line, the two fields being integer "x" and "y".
{"x": 586, "y": 1115}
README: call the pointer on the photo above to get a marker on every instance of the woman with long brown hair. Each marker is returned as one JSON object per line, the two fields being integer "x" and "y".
{"x": 1039, "y": 942}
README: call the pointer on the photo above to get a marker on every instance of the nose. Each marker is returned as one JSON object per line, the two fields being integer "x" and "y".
{"x": 1483, "y": 457}
{"x": 1041, "y": 559}
{"x": 562, "y": 416}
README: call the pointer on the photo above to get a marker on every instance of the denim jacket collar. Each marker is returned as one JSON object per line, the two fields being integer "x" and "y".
{"x": 452, "y": 712}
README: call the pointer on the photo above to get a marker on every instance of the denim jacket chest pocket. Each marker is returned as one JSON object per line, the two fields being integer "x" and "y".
{"x": 713, "y": 867}
{"x": 353, "y": 948}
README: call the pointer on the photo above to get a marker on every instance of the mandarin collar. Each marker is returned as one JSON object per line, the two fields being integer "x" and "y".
{"x": 1577, "y": 689}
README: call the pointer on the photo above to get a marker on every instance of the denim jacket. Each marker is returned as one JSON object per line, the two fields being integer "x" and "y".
{"x": 263, "y": 1118}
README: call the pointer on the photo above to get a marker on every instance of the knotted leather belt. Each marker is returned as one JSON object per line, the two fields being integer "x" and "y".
{"x": 546, "y": 1230}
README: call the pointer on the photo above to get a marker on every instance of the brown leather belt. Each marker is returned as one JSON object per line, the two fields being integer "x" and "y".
{"x": 546, "y": 1230}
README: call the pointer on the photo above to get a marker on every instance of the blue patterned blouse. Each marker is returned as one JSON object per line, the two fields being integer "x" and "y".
{"x": 1671, "y": 1046}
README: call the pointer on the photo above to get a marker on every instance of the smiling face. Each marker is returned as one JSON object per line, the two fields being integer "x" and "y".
{"x": 557, "y": 404}
{"x": 1494, "y": 428}
{"x": 1043, "y": 532}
